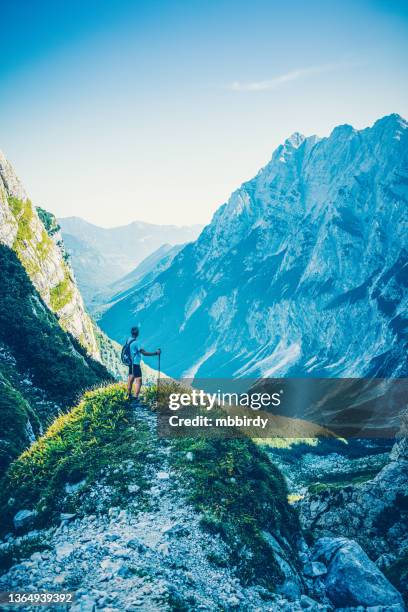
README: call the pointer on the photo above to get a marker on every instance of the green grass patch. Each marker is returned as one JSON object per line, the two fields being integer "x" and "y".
{"x": 44, "y": 246}
{"x": 90, "y": 442}
{"x": 23, "y": 212}
{"x": 286, "y": 443}
{"x": 16, "y": 205}
{"x": 339, "y": 481}
{"x": 62, "y": 294}
{"x": 15, "y": 414}
{"x": 240, "y": 493}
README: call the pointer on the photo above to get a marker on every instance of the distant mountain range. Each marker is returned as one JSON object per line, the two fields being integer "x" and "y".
{"x": 142, "y": 275}
{"x": 101, "y": 256}
{"x": 302, "y": 272}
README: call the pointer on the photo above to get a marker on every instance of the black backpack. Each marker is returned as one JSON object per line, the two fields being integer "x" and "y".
{"x": 125, "y": 355}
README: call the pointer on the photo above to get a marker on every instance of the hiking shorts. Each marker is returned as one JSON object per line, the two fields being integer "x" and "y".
{"x": 134, "y": 370}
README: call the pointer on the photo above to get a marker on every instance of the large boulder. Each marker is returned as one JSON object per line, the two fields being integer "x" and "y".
{"x": 352, "y": 578}
{"x": 24, "y": 519}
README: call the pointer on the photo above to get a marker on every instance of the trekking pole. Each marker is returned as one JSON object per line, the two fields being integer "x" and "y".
{"x": 158, "y": 380}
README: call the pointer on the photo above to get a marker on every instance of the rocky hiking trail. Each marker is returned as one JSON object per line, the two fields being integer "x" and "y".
{"x": 158, "y": 558}
{"x": 147, "y": 549}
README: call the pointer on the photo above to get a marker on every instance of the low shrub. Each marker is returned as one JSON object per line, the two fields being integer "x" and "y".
{"x": 62, "y": 294}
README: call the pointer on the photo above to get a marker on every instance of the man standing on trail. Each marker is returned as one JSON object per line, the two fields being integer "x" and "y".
{"x": 135, "y": 372}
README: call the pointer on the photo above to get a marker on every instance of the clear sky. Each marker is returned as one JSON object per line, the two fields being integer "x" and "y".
{"x": 123, "y": 110}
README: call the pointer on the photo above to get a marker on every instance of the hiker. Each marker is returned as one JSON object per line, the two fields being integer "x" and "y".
{"x": 135, "y": 373}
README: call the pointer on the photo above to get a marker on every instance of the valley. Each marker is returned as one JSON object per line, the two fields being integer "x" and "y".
{"x": 301, "y": 273}
{"x": 300, "y": 268}
{"x": 109, "y": 261}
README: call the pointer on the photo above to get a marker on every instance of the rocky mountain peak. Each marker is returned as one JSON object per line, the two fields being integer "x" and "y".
{"x": 10, "y": 179}
{"x": 318, "y": 231}
{"x": 392, "y": 121}
{"x": 295, "y": 140}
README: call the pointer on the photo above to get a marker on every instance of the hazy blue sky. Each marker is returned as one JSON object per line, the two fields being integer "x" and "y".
{"x": 156, "y": 111}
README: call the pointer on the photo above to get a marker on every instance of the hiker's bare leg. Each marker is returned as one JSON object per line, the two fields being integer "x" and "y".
{"x": 131, "y": 378}
{"x": 138, "y": 384}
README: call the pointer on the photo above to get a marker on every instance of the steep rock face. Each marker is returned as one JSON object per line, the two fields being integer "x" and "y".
{"x": 42, "y": 368}
{"x": 22, "y": 229}
{"x": 302, "y": 272}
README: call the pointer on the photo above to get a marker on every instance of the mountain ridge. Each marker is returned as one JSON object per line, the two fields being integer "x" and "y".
{"x": 101, "y": 256}
{"x": 71, "y": 219}
{"x": 316, "y": 235}
{"x": 102, "y": 506}
{"x": 22, "y": 229}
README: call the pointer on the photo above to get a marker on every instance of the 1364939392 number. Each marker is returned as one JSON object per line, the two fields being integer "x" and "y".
{"x": 19, "y": 598}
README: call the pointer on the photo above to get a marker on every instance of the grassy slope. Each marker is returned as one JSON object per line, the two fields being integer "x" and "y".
{"x": 109, "y": 350}
{"x": 15, "y": 412}
{"x": 55, "y": 361}
{"x": 78, "y": 445}
{"x": 231, "y": 482}
{"x": 240, "y": 493}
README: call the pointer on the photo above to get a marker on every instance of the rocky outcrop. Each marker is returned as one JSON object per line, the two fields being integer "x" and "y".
{"x": 374, "y": 513}
{"x": 24, "y": 519}
{"x": 351, "y": 579}
{"x": 22, "y": 229}
{"x": 301, "y": 272}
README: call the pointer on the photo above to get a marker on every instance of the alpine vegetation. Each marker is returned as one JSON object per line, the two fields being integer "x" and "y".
{"x": 302, "y": 272}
